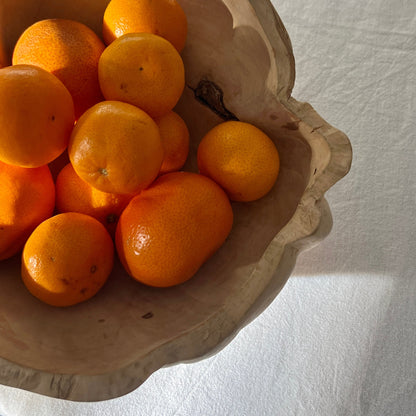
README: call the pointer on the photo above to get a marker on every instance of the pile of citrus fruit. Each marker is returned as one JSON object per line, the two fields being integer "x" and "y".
{"x": 104, "y": 114}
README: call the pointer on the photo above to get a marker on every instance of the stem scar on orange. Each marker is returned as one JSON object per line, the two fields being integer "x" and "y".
{"x": 116, "y": 148}
{"x": 73, "y": 265}
{"x": 36, "y": 116}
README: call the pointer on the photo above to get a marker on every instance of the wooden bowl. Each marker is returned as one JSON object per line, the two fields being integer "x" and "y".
{"x": 239, "y": 65}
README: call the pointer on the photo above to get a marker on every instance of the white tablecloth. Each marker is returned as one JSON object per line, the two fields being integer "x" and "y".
{"x": 340, "y": 339}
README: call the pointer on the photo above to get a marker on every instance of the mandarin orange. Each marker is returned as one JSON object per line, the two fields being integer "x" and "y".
{"x": 170, "y": 229}
{"x": 67, "y": 259}
{"x": 116, "y": 148}
{"x": 144, "y": 70}
{"x": 240, "y": 158}
{"x": 36, "y": 116}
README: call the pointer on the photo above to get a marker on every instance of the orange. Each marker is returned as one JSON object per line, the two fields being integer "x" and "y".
{"x": 75, "y": 195}
{"x": 240, "y": 158}
{"x": 68, "y": 49}
{"x": 165, "y": 18}
{"x": 144, "y": 70}
{"x": 175, "y": 140}
{"x": 116, "y": 148}
{"x": 27, "y": 197}
{"x": 67, "y": 259}
{"x": 36, "y": 116}
{"x": 170, "y": 229}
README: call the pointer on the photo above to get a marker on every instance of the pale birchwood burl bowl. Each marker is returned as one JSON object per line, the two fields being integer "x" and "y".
{"x": 239, "y": 65}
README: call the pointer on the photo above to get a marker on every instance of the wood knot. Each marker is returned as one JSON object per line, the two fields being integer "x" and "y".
{"x": 211, "y": 95}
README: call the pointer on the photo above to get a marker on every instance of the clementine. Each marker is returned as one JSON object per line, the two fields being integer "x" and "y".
{"x": 72, "y": 266}
{"x": 165, "y": 18}
{"x": 144, "y": 70}
{"x": 175, "y": 140}
{"x": 36, "y": 116}
{"x": 27, "y": 197}
{"x": 69, "y": 50}
{"x": 116, "y": 148}
{"x": 75, "y": 195}
{"x": 170, "y": 229}
{"x": 240, "y": 158}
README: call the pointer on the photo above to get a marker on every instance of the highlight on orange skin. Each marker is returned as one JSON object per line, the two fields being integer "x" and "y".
{"x": 144, "y": 70}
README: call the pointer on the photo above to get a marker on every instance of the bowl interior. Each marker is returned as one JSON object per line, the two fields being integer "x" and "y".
{"x": 231, "y": 72}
